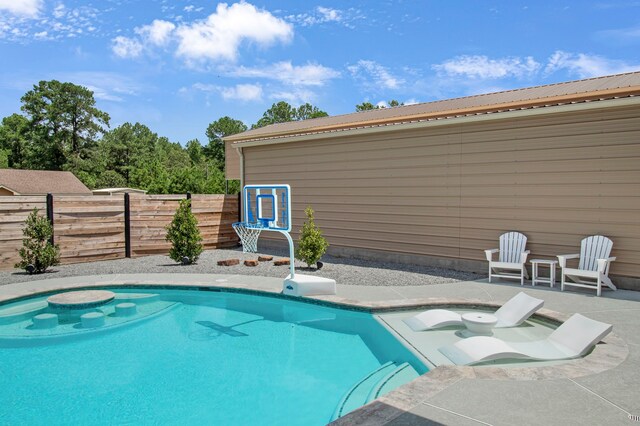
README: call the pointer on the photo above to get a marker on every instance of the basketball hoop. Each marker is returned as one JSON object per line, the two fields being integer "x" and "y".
{"x": 265, "y": 208}
{"x": 248, "y": 236}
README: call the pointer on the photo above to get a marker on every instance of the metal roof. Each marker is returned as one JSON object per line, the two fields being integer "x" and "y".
{"x": 592, "y": 89}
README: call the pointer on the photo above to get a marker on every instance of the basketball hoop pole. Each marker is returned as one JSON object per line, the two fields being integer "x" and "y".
{"x": 291, "y": 254}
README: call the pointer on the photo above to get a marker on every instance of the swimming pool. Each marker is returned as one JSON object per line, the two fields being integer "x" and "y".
{"x": 191, "y": 356}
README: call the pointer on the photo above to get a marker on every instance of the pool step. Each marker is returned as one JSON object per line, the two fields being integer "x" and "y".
{"x": 403, "y": 373}
{"x": 357, "y": 395}
{"x": 379, "y": 382}
{"x": 22, "y": 311}
{"x": 137, "y": 298}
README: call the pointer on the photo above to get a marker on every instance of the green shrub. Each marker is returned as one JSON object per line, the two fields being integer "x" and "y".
{"x": 36, "y": 249}
{"x": 184, "y": 235}
{"x": 312, "y": 244}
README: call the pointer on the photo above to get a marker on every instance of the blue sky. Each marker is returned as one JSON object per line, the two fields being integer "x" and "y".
{"x": 176, "y": 66}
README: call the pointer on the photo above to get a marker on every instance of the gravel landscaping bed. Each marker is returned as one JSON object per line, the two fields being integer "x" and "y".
{"x": 343, "y": 270}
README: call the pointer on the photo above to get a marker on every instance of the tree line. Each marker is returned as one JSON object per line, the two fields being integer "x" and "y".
{"x": 60, "y": 128}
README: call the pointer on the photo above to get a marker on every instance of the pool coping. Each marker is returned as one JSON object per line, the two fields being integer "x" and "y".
{"x": 609, "y": 353}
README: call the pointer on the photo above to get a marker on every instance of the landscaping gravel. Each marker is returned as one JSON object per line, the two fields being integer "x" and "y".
{"x": 344, "y": 270}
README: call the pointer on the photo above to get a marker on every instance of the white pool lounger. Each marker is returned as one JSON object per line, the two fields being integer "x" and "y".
{"x": 513, "y": 313}
{"x": 574, "y": 338}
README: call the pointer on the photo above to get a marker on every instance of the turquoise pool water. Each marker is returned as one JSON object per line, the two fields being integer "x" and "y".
{"x": 189, "y": 357}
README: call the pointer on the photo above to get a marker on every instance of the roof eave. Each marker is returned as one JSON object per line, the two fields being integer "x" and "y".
{"x": 502, "y": 107}
{"x": 443, "y": 121}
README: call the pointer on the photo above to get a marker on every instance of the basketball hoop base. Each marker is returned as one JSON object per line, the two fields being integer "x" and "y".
{"x": 308, "y": 285}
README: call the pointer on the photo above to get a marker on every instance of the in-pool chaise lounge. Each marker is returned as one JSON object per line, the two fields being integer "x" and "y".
{"x": 513, "y": 313}
{"x": 574, "y": 338}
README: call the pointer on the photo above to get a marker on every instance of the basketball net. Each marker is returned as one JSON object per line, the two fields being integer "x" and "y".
{"x": 248, "y": 236}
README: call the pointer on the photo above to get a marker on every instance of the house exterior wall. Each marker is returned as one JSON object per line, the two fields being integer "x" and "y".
{"x": 231, "y": 161}
{"x": 448, "y": 192}
{"x": 5, "y": 192}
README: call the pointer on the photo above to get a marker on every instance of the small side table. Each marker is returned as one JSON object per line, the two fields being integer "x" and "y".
{"x": 551, "y": 264}
{"x": 479, "y": 324}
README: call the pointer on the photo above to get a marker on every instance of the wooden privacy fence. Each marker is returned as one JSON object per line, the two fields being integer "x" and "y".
{"x": 96, "y": 227}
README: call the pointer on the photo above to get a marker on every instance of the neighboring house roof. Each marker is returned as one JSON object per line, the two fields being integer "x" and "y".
{"x": 39, "y": 182}
{"x": 106, "y": 191}
{"x": 592, "y": 89}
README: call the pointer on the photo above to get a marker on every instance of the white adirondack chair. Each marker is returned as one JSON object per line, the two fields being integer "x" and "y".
{"x": 511, "y": 259}
{"x": 593, "y": 269}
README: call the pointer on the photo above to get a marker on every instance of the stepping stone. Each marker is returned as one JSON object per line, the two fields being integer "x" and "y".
{"x": 265, "y": 258}
{"x": 92, "y": 319}
{"x": 125, "y": 309}
{"x": 45, "y": 321}
{"x": 250, "y": 263}
{"x": 281, "y": 262}
{"x": 228, "y": 262}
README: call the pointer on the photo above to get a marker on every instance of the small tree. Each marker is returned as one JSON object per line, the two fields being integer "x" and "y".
{"x": 37, "y": 249}
{"x": 312, "y": 244}
{"x": 184, "y": 235}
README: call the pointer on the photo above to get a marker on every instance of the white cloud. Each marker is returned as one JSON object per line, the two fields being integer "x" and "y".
{"x": 319, "y": 16}
{"x": 303, "y": 75}
{"x": 621, "y": 35}
{"x": 26, "y": 8}
{"x": 60, "y": 23}
{"x": 239, "y": 92}
{"x": 373, "y": 75}
{"x": 107, "y": 86}
{"x": 157, "y": 33}
{"x": 482, "y": 67}
{"x": 585, "y": 66}
{"x": 126, "y": 47}
{"x": 251, "y": 92}
{"x": 216, "y": 38}
{"x": 242, "y": 92}
{"x": 322, "y": 15}
{"x": 295, "y": 97}
{"x": 59, "y": 11}
{"x": 329, "y": 15}
{"x": 220, "y": 35}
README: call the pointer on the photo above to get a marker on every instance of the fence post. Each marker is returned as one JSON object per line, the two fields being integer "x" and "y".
{"x": 127, "y": 226}
{"x": 50, "y": 215}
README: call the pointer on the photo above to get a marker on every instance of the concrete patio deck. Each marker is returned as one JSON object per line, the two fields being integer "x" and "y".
{"x": 460, "y": 398}
{"x": 458, "y": 395}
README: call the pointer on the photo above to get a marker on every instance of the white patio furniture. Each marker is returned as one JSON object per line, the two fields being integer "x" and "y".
{"x": 479, "y": 323}
{"x": 513, "y": 313}
{"x": 593, "y": 268}
{"x": 535, "y": 272}
{"x": 512, "y": 257}
{"x": 574, "y": 338}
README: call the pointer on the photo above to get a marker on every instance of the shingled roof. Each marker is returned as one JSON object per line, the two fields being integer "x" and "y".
{"x": 588, "y": 90}
{"x": 40, "y": 182}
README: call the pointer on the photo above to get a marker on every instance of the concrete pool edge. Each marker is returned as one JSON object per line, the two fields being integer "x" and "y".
{"x": 604, "y": 357}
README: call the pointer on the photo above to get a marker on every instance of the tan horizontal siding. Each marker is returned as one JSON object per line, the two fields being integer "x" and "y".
{"x": 231, "y": 161}
{"x": 451, "y": 191}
